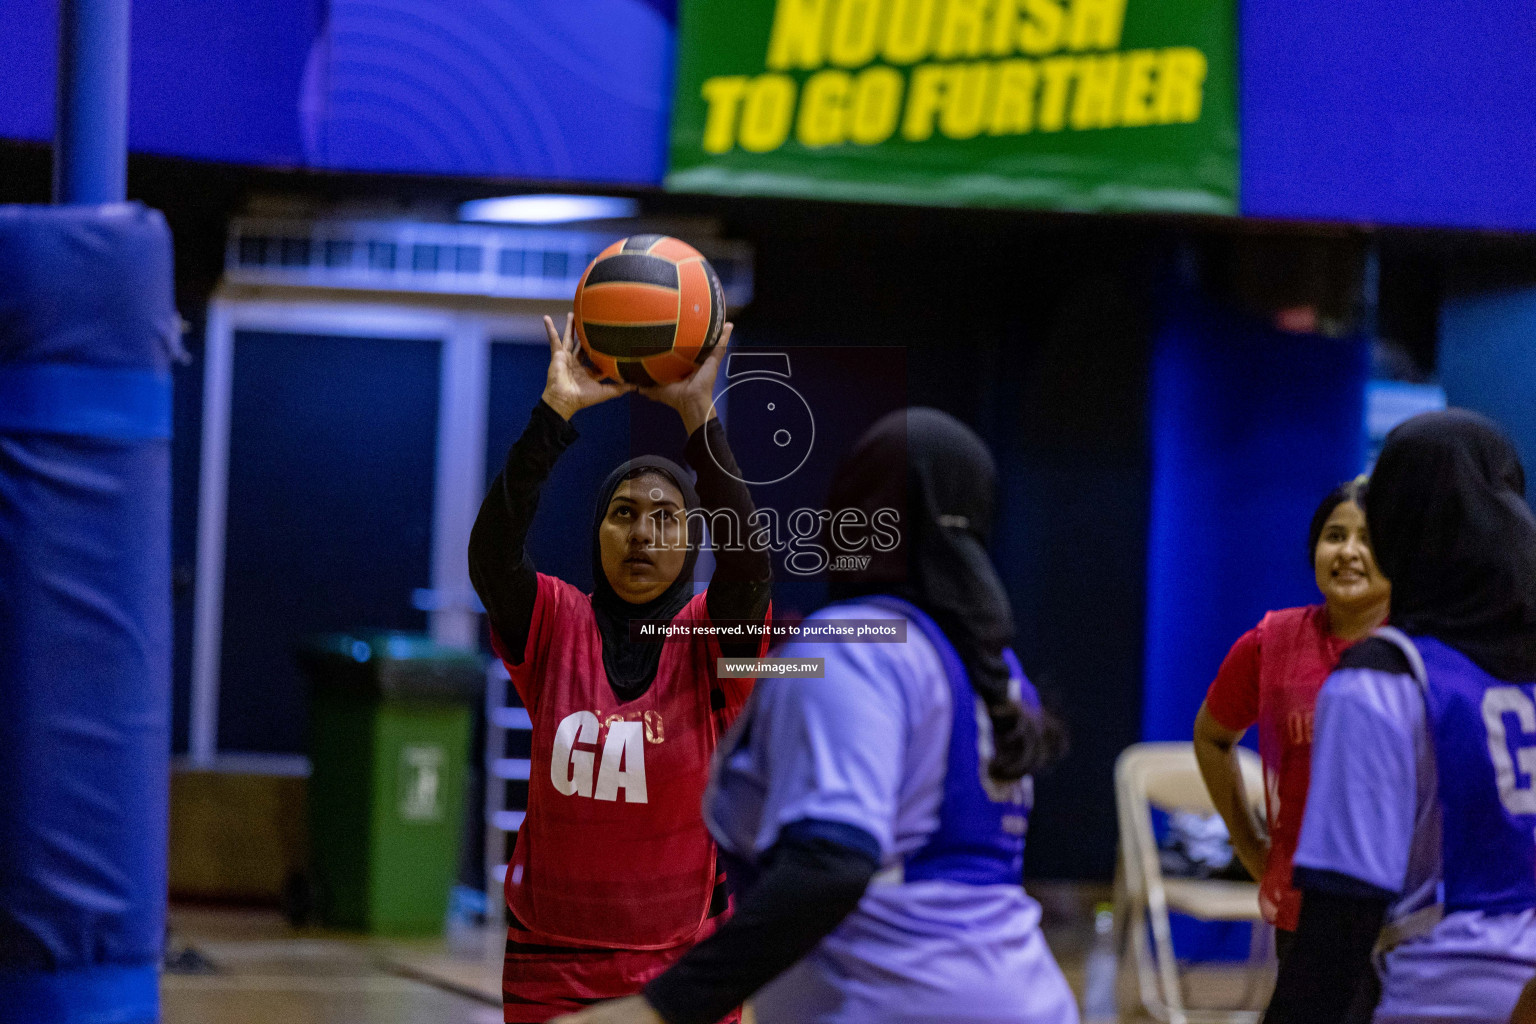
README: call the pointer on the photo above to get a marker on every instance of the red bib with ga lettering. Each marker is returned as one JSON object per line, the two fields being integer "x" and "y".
{"x": 613, "y": 852}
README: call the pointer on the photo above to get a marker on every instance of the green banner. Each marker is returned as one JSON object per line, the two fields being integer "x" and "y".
{"x": 1058, "y": 104}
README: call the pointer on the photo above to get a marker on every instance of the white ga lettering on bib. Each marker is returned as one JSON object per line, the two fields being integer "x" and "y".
{"x": 623, "y": 764}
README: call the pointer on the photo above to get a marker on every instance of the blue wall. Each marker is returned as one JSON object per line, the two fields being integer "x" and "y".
{"x": 548, "y": 89}
{"x": 1394, "y": 111}
{"x": 1251, "y": 427}
{"x": 532, "y": 89}
{"x": 1389, "y": 111}
{"x": 1488, "y": 362}
{"x": 208, "y": 81}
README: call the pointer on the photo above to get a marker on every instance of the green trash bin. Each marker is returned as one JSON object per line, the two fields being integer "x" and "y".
{"x": 389, "y": 733}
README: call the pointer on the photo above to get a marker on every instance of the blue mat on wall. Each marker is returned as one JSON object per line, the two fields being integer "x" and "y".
{"x": 87, "y": 328}
{"x": 1251, "y": 427}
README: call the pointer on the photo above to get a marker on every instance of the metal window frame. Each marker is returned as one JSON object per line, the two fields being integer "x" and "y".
{"x": 574, "y": 246}
{"x": 466, "y": 332}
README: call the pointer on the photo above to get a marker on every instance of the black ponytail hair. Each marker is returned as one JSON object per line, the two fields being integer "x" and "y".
{"x": 1024, "y": 740}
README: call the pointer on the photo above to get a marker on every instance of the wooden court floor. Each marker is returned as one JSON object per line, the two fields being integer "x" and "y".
{"x": 264, "y": 972}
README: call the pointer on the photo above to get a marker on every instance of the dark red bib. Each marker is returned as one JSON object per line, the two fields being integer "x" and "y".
{"x": 613, "y": 852}
{"x": 1296, "y": 656}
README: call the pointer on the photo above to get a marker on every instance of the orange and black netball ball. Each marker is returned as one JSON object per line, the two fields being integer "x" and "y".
{"x": 648, "y": 310}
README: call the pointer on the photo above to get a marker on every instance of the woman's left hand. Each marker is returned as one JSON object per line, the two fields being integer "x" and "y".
{"x": 629, "y": 1010}
{"x": 694, "y": 396}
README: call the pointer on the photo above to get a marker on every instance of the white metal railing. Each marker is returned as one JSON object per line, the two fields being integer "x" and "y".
{"x": 502, "y": 817}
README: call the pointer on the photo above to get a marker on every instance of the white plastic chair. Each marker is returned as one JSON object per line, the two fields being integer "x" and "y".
{"x": 1166, "y": 776}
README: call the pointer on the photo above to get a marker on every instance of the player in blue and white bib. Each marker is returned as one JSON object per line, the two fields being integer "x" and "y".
{"x": 873, "y": 820}
{"x": 1419, "y": 838}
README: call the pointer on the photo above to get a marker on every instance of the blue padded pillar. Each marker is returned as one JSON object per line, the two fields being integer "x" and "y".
{"x": 86, "y": 328}
{"x": 1488, "y": 362}
{"x": 1250, "y": 428}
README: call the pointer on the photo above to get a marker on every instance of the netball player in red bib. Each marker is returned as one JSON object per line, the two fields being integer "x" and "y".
{"x": 1272, "y": 676}
{"x": 613, "y": 876}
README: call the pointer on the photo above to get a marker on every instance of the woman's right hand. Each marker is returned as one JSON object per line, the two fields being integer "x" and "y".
{"x": 569, "y": 388}
{"x": 1216, "y": 754}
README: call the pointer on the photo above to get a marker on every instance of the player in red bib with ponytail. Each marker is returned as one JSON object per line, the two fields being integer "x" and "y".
{"x": 614, "y": 875}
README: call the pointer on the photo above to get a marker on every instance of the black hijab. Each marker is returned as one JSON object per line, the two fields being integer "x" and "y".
{"x": 941, "y": 477}
{"x": 1452, "y": 532}
{"x": 631, "y": 664}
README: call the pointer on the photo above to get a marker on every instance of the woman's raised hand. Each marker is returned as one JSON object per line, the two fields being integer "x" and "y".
{"x": 694, "y": 396}
{"x": 569, "y": 388}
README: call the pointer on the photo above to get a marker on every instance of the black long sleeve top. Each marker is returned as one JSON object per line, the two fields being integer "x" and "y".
{"x": 1321, "y": 977}
{"x": 809, "y": 884}
{"x": 504, "y": 576}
